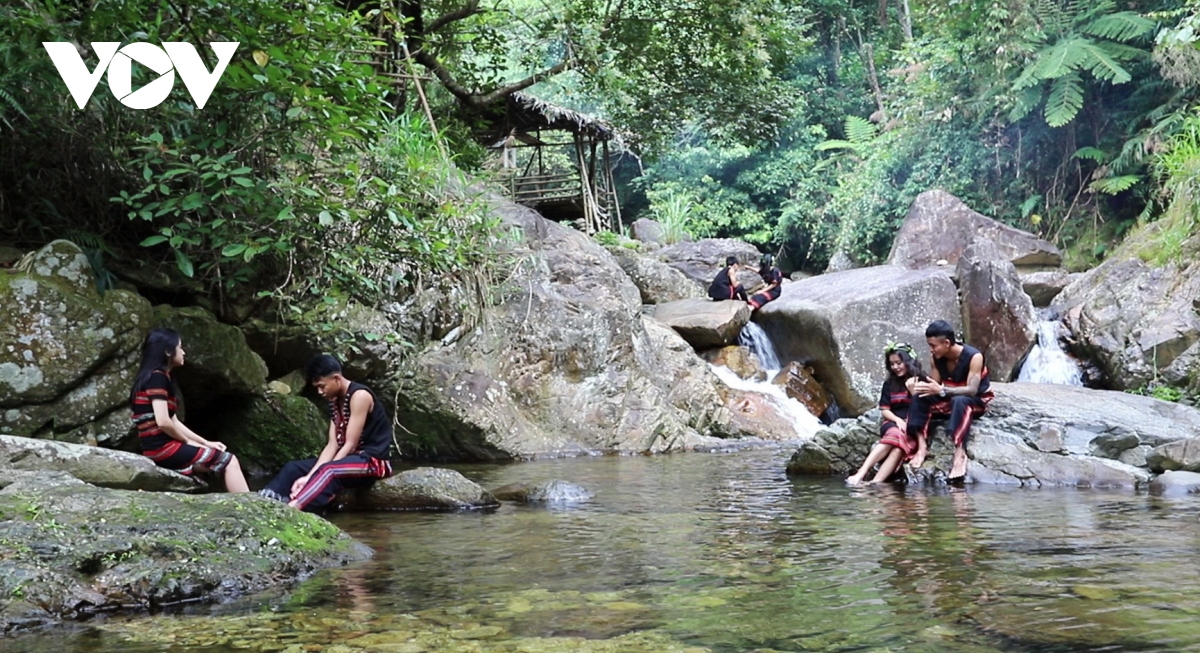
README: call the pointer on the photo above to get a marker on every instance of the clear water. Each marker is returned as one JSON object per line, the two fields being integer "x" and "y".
{"x": 754, "y": 338}
{"x": 723, "y": 553}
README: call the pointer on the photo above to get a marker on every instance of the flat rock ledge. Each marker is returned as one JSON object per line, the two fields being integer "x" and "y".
{"x": 1036, "y": 435}
{"x": 108, "y": 468}
{"x": 423, "y": 488}
{"x": 69, "y": 550}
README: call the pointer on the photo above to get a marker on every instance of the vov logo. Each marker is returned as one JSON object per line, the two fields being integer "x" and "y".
{"x": 171, "y": 57}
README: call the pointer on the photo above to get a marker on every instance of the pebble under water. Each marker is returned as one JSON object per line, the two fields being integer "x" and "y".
{"x": 723, "y": 553}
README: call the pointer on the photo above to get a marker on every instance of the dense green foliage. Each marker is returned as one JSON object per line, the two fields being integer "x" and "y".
{"x": 297, "y": 179}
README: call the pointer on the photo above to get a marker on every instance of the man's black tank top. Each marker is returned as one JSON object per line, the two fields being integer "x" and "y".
{"x": 962, "y": 370}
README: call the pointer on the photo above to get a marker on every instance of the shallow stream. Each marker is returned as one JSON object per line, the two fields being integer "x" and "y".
{"x": 723, "y": 553}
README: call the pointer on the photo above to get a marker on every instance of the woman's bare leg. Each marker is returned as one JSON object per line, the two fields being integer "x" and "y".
{"x": 878, "y": 453}
{"x": 889, "y": 465}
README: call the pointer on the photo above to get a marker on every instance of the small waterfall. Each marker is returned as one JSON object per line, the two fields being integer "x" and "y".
{"x": 756, "y": 340}
{"x": 1047, "y": 362}
{"x": 805, "y": 423}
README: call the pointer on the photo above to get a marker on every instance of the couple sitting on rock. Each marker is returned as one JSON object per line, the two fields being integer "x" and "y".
{"x": 725, "y": 285}
{"x": 957, "y": 386}
{"x": 360, "y": 433}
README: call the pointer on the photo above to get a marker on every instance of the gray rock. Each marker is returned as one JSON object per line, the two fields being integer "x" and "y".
{"x": 1034, "y": 434}
{"x": 67, "y": 354}
{"x": 840, "y": 262}
{"x": 1176, "y": 483}
{"x": 940, "y": 226}
{"x": 555, "y": 491}
{"x": 94, "y": 465}
{"x": 657, "y": 282}
{"x": 219, "y": 362}
{"x": 701, "y": 260}
{"x": 1042, "y": 287}
{"x": 563, "y": 363}
{"x": 647, "y": 231}
{"x": 998, "y": 316}
{"x": 1137, "y": 322}
{"x": 73, "y": 550}
{"x": 838, "y": 324}
{"x": 424, "y": 488}
{"x": 705, "y": 323}
{"x": 1180, "y": 455}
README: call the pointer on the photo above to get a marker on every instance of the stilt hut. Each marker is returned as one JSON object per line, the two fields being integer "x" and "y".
{"x": 531, "y": 136}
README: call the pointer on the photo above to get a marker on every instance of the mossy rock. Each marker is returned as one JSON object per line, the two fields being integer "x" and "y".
{"x": 72, "y": 549}
{"x": 266, "y": 431}
{"x": 218, "y": 362}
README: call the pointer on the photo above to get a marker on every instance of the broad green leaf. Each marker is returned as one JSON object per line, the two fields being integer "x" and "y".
{"x": 153, "y": 240}
{"x": 184, "y": 263}
{"x": 233, "y": 250}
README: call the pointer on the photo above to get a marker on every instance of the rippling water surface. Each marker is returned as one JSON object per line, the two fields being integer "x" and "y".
{"x": 722, "y": 552}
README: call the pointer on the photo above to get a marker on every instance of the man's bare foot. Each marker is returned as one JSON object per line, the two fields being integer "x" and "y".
{"x": 958, "y": 470}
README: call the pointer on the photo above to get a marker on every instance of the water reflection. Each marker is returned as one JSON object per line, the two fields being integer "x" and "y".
{"x": 724, "y": 553}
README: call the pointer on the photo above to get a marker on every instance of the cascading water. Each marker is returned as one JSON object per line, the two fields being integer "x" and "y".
{"x": 754, "y": 338}
{"x": 1047, "y": 362}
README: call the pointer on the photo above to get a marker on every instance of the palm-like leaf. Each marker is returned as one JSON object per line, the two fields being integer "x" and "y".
{"x": 1122, "y": 26}
{"x": 859, "y": 130}
{"x": 1103, "y": 66}
{"x": 1065, "y": 100}
{"x": 1114, "y": 185}
{"x": 1062, "y": 58}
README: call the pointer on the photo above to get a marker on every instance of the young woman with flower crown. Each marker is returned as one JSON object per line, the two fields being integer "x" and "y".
{"x": 895, "y": 446}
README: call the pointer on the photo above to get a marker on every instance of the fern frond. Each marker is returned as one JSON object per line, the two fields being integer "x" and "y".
{"x": 1104, "y": 67}
{"x": 1122, "y": 52}
{"x": 1027, "y": 101}
{"x": 1123, "y": 26}
{"x": 1065, "y": 100}
{"x": 837, "y": 144}
{"x": 1114, "y": 185}
{"x": 1090, "y": 153}
{"x": 859, "y": 130}
{"x": 1062, "y": 58}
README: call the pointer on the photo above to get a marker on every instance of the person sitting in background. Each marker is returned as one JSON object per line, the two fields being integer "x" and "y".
{"x": 895, "y": 446}
{"x": 725, "y": 285}
{"x": 770, "y": 276}
{"x": 357, "y": 453}
{"x": 162, "y": 437}
{"x": 958, "y": 386}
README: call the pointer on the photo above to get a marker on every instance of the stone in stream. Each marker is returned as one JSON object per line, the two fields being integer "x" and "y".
{"x": 940, "y": 227}
{"x": 703, "y": 322}
{"x": 838, "y": 324}
{"x": 797, "y": 380}
{"x": 555, "y": 491}
{"x": 740, "y": 360}
{"x": 1032, "y": 434}
{"x": 95, "y": 465}
{"x": 72, "y": 549}
{"x": 424, "y": 488}
{"x": 1175, "y": 483}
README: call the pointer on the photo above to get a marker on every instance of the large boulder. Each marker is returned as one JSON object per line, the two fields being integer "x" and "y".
{"x": 657, "y": 282}
{"x": 1031, "y": 434}
{"x": 424, "y": 488}
{"x": 703, "y": 322}
{"x": 703, "y": 259}
{"x": 998, "y": 317}
{"x": 1137, "y": 322}
{"x": 648, "y": 231}
{"x": 72, "y": 550}
{"x": 68, "y": 354}
{"x": 940, "y": 227}
{"x": 838, "y": 324}
{"x": 563, "y": 362}
{"x": 218, "y": 361}
{"x": 95, "y": 465}
{"x": 1181, "y": 455}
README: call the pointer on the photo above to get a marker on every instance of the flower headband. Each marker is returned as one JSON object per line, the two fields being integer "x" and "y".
{"x": 900, "y": 346}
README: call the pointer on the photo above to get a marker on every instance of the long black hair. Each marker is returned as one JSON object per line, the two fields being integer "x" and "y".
{"x": 158, "y": 348}
{"x": 911, "y": 366}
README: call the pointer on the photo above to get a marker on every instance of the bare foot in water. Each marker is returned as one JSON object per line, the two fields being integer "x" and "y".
{"x": 854, "y": 480}
{"x": 958, "y": 470}
{"x": 917, "y": 460}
